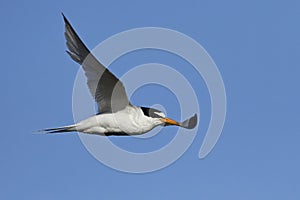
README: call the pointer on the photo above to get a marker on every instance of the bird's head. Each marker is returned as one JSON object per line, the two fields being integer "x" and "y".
{"x": 161, "y": 118}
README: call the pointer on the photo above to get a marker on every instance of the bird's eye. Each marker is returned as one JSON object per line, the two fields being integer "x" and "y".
{"x": 160, "y": 114}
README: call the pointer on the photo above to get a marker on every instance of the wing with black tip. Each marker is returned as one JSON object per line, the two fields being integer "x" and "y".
{"x": 107, "y": 90}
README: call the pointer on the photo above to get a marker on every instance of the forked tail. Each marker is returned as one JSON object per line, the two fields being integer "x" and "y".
{"x": 63, "y": 129}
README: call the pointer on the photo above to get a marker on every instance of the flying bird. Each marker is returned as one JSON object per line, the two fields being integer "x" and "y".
{"x": 116, "y": 116}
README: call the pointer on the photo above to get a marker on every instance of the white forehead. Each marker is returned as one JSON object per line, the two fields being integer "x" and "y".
{"x": 160, "y": 114}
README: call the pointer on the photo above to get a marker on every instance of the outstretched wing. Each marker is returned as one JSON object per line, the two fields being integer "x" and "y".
{"x": 107, "y": 90}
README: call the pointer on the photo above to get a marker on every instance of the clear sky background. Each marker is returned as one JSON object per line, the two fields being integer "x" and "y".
{"x": 256, "y": 46}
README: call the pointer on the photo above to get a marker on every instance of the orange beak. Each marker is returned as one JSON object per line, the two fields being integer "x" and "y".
{"x": 169, "y": 121}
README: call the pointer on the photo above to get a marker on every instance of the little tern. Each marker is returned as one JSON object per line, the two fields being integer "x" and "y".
{"x": 116, "y": 116}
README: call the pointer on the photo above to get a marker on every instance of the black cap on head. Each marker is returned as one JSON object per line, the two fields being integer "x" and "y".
{"x": 151, "y": 112}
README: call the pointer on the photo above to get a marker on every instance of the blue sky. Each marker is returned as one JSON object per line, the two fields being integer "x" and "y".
{"x": 256, "y": 46}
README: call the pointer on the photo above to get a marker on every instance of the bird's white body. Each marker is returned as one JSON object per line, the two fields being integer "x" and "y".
{"x": 130, "y": 120}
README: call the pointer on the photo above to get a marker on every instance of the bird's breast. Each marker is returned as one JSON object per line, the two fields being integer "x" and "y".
{"x": 130, "y": 121}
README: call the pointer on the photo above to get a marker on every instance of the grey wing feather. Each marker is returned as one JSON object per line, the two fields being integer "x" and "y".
{"x": 108, "y": 90}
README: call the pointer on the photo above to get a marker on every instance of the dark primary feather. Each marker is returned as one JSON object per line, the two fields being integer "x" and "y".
{"x": 107, "y": 90}
{"x": 77, "y": 50}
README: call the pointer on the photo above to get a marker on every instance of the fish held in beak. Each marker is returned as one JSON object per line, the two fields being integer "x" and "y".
{"x": 188, "y": 124}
